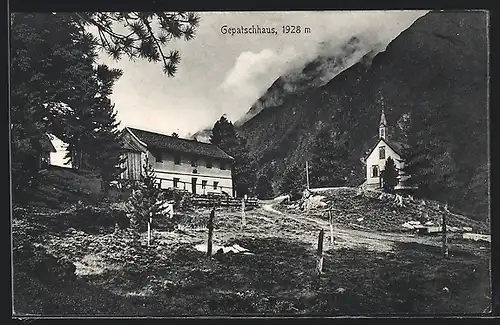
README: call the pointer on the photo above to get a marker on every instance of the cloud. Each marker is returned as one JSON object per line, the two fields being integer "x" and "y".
{"x": 221, "y": 74}
{"x": 252, "y": 71}
{"x": 315, "y": 67}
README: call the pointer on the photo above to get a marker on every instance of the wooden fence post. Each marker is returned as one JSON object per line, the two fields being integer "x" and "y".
{"x": 330, "y": 221}
{"x": 319, "y": 254}
{"x": 243, "y": 220}
{"x": 149, "y": 232}
{"x": 210, "y": 232}
{"x": 445, "y": 239}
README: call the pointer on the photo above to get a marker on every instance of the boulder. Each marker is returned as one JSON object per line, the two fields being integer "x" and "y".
{"x": 313, "y": 202}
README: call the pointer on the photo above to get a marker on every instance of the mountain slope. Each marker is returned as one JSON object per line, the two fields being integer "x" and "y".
{"x": 439, "y": 63}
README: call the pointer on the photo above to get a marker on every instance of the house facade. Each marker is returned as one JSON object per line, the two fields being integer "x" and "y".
{"x": 46, "y": 149}
{"x": 58, "y": 156}
{"x": 377, "y": 157}
{"x": 196, "y": 167}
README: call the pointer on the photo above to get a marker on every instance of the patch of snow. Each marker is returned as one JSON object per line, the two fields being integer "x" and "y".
{"x": 225, "y": 249}
{"x": 313, "y": 202}
{"x": 476, "y": 237}
{"x": 433, "y": 229}
{"x": 281, "y": 198}
{"x": 239, "y": 248}
{"x": 408, "y": 225}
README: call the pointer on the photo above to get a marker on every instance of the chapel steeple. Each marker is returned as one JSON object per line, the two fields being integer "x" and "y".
{"x": 382, "y": 128}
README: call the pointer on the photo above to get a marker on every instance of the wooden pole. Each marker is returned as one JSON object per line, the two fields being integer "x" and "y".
{"x": 243, "y": 220}
{"x": 307, "y": 174}
{"x": 330, "y": 220}
{"x": 210, "y": 232}
{"x": 319, "y": 254}
{"x": 149, "y": 232}
{"x": 445, "y": 239}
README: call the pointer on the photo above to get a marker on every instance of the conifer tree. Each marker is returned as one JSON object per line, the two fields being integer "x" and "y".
{"x": 146, "y": 199}
{"x": 52, "y": 57}
{"x": 264, "y": 189}
{"x": 225, "y": 137}
{"x": 104, "y": 151}
{"x": 329, "y": 163}
{"x": 389, "y": 176}
{"x": 293, "y": 182}
{"x": 223, "y": 134}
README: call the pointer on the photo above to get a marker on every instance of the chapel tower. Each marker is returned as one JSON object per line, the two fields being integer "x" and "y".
{"x": 382, "y": 128}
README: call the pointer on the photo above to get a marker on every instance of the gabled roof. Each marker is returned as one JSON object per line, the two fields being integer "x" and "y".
{"x": 46, "y": 145}
{"x": 398, "y": 147}
{"x": 155, "y": 140}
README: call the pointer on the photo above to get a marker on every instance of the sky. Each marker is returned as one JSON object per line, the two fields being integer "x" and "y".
{"x": 225, "y": 74}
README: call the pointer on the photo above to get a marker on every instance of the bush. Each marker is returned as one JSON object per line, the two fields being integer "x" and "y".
{"x": 35, "y": 262}
{"x": 181, "y": 199}
{"x": 94, "y": 220}
{"x": 264, "y": 188}
{"x": 293, "y": 183}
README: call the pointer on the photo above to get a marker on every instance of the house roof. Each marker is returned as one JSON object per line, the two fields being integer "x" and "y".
{"x": 46, "y": 145}
{"x": 155, "y": 140}
{"x": 398, "y": 147}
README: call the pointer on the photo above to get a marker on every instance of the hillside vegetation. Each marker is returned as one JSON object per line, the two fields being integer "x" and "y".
{"x": 372, "y": 211}
{"x": 74, "y": 260}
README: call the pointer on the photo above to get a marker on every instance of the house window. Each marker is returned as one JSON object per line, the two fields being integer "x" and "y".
{"x": 223, "y": 165}
{"x": 216, "y": 184}
{"x": 194, "y": 162}
{"x": 209, "y": 163}
{"x": 381, "y": 153}
{"x": 375, "y": 171}
{"x": 177, "y": 160}
{"x": 203, "y": 185}
{"x": 176, "y": 182}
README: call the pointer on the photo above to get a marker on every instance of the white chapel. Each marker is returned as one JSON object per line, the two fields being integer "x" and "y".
{"x": 383, "y": 149}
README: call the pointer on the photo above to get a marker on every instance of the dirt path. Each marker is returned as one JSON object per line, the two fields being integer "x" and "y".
{"x": 375, "y": 241}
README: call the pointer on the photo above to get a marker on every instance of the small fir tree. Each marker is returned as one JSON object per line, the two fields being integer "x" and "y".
{"x": 389, "y": 176}
{"x": 146, "y": 199}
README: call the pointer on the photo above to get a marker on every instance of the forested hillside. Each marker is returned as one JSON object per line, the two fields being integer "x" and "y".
{"x": 432, "y": 82}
